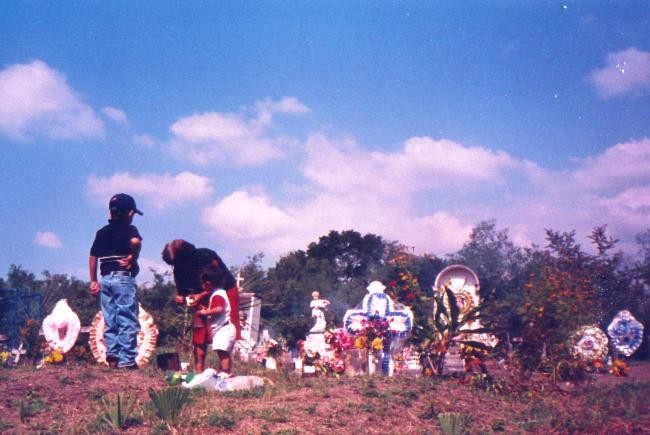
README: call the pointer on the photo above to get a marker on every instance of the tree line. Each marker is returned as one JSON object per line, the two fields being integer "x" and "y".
{"x": 539, "y": 294}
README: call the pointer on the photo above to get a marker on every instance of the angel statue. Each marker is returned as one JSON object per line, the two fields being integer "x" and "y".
{"x": 318, "y": 307}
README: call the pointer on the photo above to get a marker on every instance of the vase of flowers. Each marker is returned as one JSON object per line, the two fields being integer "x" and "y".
{"x": 274, "y": 350}
{"x": 373, "y": 336}
{"x": 356, "y": 362}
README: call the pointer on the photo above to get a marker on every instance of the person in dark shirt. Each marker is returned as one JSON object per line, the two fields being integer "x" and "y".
{"x": 116, "y": 247}
{"x": 189, "y": 263}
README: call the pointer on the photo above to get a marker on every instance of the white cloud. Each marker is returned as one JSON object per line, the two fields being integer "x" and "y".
{"x": 157, "y": 191}
{"x": 627, "y": 72}
{"x": 429, "y": 194}
{"x": 116, "y": 115}
{"x": 223, "y": 137}
{"x": 629, "y": 208}
{"x": 242, "y": 215}
{"x": 36, "y": 101}
{"x": 422, "y": 163}
{"x": 622, "y": 165}
{"x": 287, "y": 105}
{"x": 47, "y": 239}
{"x": 374, "y": 192}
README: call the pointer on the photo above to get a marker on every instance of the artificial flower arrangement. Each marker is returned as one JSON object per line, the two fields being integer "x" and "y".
{"x": 619, "y": 368}
{"x": 474, "y": 358}
{"x": 333, "y": 367}
{"x": 373, "y": 333}
{"x": 404, "y": 286}
{"x": 5, "y": 359}
{"x": 339, "y": 341}
{"x": 274, "y": 348}
{"x": 53, "y": 356}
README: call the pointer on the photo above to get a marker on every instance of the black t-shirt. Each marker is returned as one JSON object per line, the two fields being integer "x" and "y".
{"x": 188, "y": 279}
{"x": 112, "y": 243}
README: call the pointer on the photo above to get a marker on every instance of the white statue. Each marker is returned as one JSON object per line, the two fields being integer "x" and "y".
{"x": 318, "y": 307}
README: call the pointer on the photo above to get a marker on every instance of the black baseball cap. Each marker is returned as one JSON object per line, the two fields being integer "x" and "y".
{"x": 123, "y": 202}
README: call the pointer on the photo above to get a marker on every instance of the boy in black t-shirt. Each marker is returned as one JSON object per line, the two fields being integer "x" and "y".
{"x": 117, "y": 247}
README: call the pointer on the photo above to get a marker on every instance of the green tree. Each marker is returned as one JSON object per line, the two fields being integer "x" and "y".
{"x": 339, "y": 266}
{"x": 502, "y": 269}
{"x": 158, "y": 300}
{"x": 19, "y": 278}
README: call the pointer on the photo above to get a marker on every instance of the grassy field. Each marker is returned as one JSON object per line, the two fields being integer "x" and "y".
{"x": 82, "y": 398}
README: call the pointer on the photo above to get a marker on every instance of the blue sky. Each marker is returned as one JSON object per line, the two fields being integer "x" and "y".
{"x": 259, "y": 126}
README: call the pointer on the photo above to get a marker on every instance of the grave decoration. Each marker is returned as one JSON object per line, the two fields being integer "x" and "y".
{"x": 379, "y": 325}
{"x": 626, "y": 333}
{"x": 589, "y": 344}
{"x": 457, "y": 323}
{"x": 346, "y": 358}
{"x": 146, "y": 338}
{"x": 318, "y": 307}
{"x": 61, "y": 327}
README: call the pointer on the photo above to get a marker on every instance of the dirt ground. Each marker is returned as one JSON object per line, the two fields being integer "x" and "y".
{"x": 68, "y": 399}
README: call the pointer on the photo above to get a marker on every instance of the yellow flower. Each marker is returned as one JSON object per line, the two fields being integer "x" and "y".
{"x": 361, "y": 342}
{"x": 47, "y": 360}
{"x": 57, "y": 356}
{"x": 4, "y": 357}
{"x": 377, "y": 344}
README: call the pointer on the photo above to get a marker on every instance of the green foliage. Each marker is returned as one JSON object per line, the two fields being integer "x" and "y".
{"x": 339, "y": 266}
{"x": 274, "y": 414}
{"x": 448, "y": 325}
{"x": 117, "y": 414}
{"x": 502, "y": 269}
{"x": 32, "y": 406}
{"x": 627, "y": 400}
{"x": 169, "y": 402}
{"x": 5, "y": 426}
{"x": 158, "y": 300}
{"x": 559, "y": 297}
{"x": 31, "y": 339}
{"x": 222, "y": 419}
{"x": 453, "y": 423}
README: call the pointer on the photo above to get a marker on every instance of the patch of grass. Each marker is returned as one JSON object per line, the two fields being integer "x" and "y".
{"x": 97, "y": 395}
{"x": 253, "y": 393}
{"x": 499, "y": 425}
{"x": 453, "y": 423}
{"x": 624, "y": 400}
{"x": 117, "y": 415}
{"x": 32, "y": 405}
{"x": 222, "y": 419}
{"x": 169, "y": 402}
{"x": 429, "y": 412}
{"x": 273, "y": 414}
{"x": 410, "y": 394}
{"x": 66, "y": 380}
{"x": 161, "y": 429}
{"x": 538, "y": 417}
{"x": 5, "y": 426}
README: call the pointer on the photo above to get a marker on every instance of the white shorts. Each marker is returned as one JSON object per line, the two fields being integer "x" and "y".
{"x": 224, "y": 338}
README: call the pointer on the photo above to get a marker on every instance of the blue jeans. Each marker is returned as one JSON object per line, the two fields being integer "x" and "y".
{"x": 120, "y": 309}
